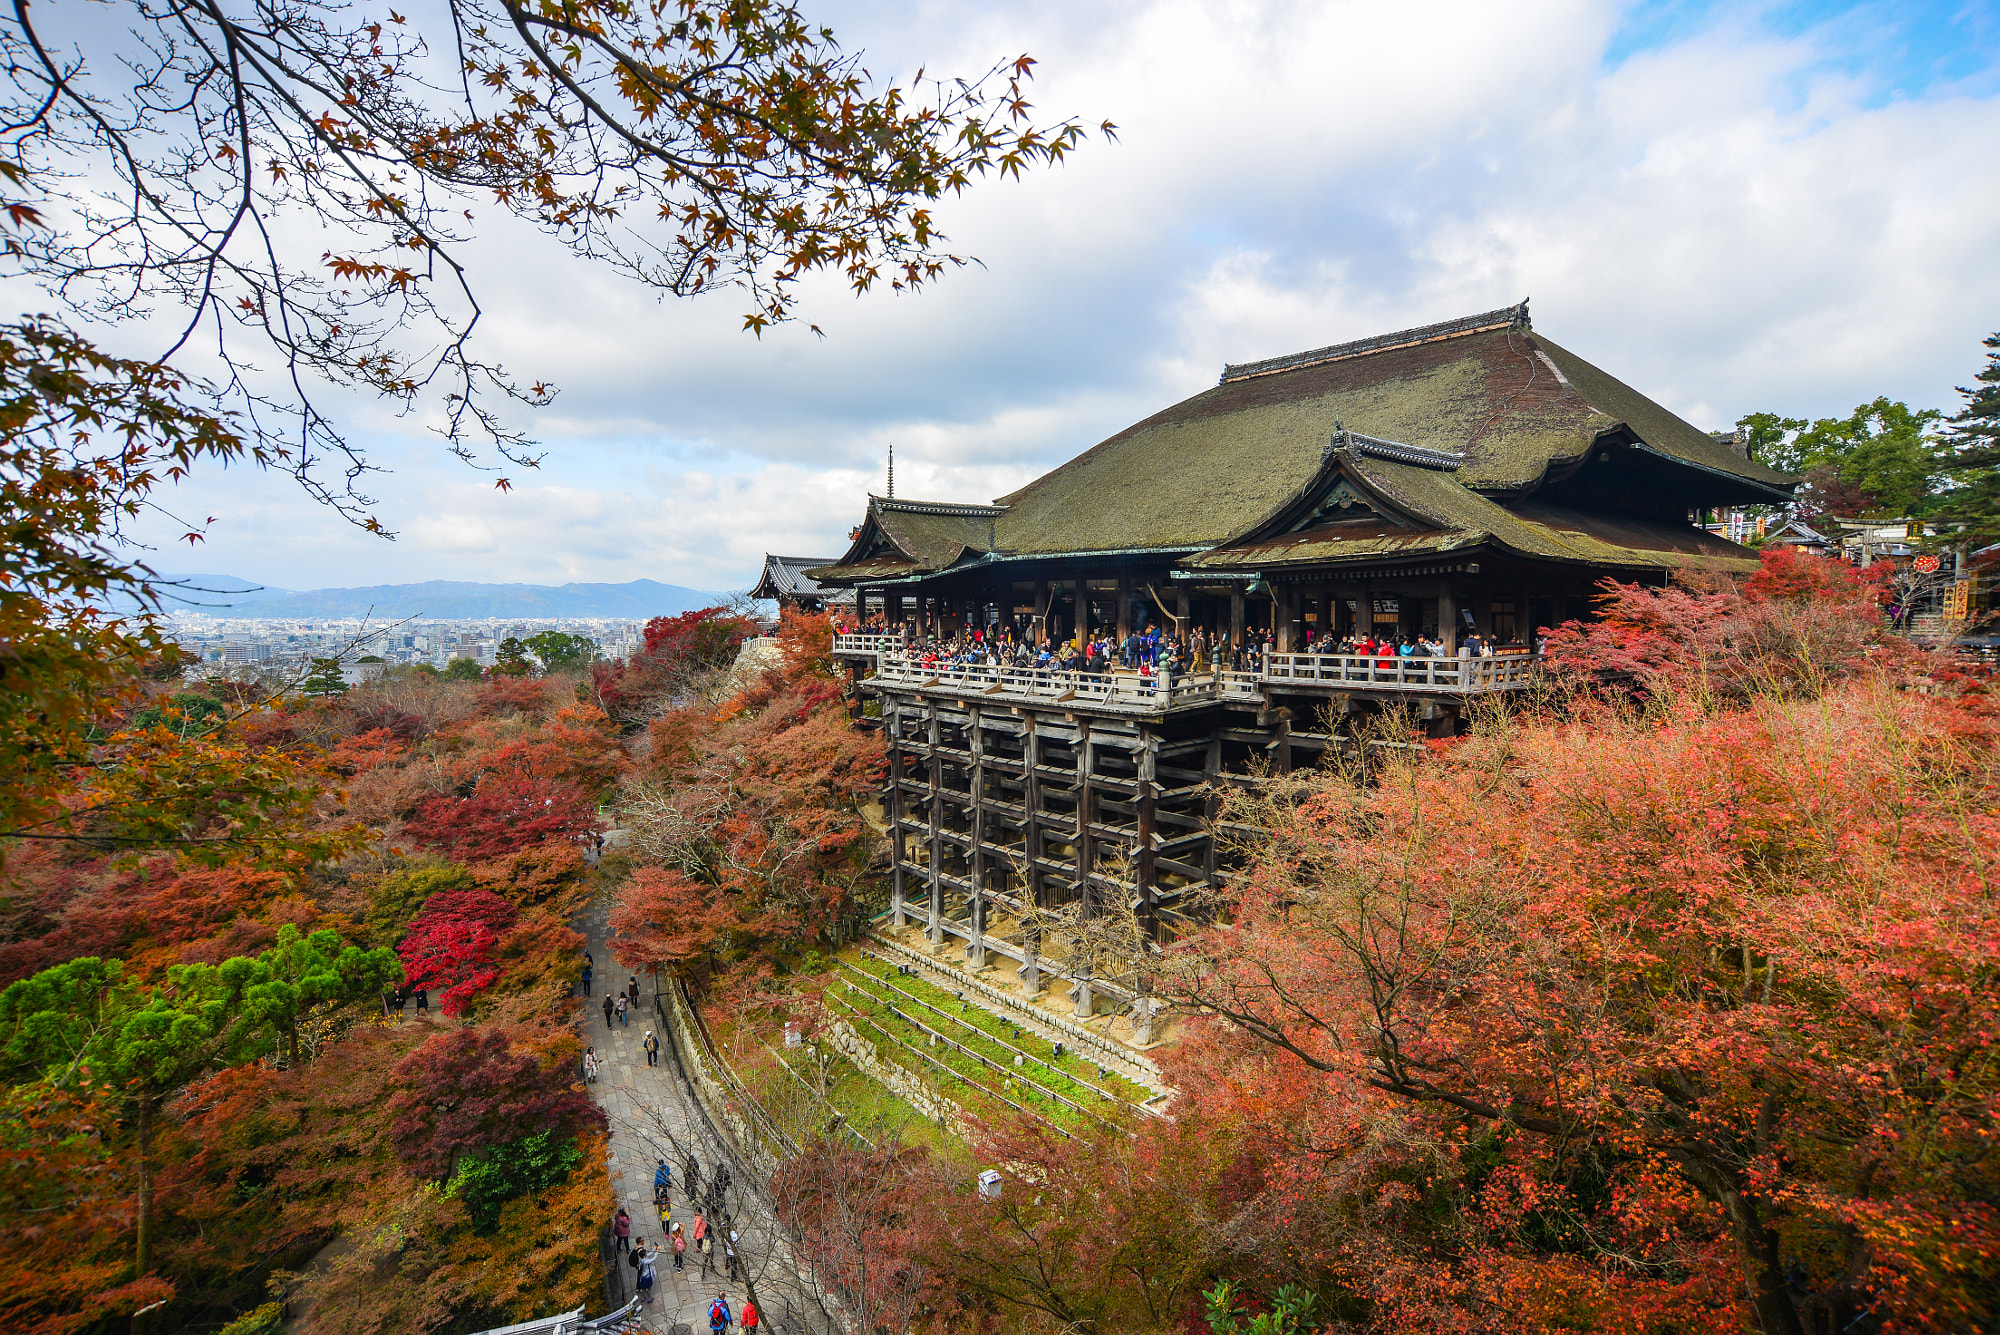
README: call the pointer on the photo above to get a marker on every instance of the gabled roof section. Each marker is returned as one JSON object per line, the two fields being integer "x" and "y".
{"x": 1427, "y": 509}
{"x": 785, "y": 577}
{"x": 913, "y": 538}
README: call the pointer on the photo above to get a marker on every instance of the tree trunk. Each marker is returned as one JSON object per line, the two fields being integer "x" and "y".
{"x": 145, "y": 1187}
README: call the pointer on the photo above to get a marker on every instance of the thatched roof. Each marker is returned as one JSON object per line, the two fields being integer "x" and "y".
{"x": 1518, "y": 410}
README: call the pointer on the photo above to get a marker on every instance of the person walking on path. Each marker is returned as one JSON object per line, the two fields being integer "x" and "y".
{"x": 749, "y": 1318}
{"x": 621, "y": 1010}
{"x": 704, "y": 1244}
{"x": 652, "y": 1046}
{"x": 586, "y": 978}
{"x": 632, "y": 989}
{"x": 648, "y": 1271}
{"x": 423, "y": 1001}
{"x": 621, "y": 1227}
{"x": 607, "y": 1010}
{"x": 718, "y": 1315}
{"x": 590, "y": 1065}
{"x": 729, "y": 1255}
{"x": 680, "y": 1246}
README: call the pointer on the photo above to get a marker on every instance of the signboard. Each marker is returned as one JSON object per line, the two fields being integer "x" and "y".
{"x": 1927, "y": 564}
{"x": 1958, "y": 601}
{"x": 1388, "y": 605}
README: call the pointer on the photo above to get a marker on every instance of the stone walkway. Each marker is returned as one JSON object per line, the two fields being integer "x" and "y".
{"x": 653, "y": 1117}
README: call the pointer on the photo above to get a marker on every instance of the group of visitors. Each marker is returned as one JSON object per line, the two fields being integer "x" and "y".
{"x": 1156, "y": 648}
{"x": 714, "y": 1245}
{"x": 710, "y": 1234}
{"x": 396, "y": 1000}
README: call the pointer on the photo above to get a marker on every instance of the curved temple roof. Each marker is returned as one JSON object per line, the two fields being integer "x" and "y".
{"x": 1509, "y": 407}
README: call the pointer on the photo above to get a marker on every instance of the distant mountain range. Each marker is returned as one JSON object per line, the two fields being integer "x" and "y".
{"x": 437, "y": 599}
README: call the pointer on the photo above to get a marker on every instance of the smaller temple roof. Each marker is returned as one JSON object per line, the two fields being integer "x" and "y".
{"x": 1366, "y": 504}
{"x": 785, "y": 577}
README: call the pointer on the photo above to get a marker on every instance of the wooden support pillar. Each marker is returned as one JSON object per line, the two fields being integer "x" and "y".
{"x": 1040, "y": 627}
{"x": 1211, "y": 775}
{"x": 934, "y": 929}
{"x": 1086, "y": 812}
{"x": 1447, "y": 616}
{"x": 1284, "y": 605}
{"x": 1236, "y": 615}
{"x": 1181, "y": 613}
{"x": 1123, "y": 622}
{"x": 1082, "y": 610}
{"x": 1146, "y": 805}
{"x": 892, "y": 728}
{"x": 1031, "y": 755}
{"x": 975, "y": 949}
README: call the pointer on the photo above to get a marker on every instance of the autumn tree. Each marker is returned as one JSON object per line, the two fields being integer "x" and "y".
{"x": 467, "y": 1090}
{"x": 84, "y": 439}
{"x": 1797, "y": 625}
{"x": 450, "y": 945}
{"x": 1663, "y": 1010}
{"x": 504, "y": 814}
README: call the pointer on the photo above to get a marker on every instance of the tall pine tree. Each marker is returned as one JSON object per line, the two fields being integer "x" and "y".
{"x": 1972, "y": 500}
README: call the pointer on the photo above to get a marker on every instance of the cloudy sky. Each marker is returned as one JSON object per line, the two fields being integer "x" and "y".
{"x": 1734, "y": 207}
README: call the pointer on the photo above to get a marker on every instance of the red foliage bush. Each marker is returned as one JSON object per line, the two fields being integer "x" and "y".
{"x": 466, "y": 1090}
{"x": 1796, "y": 626}
{"x": 506, "y": 813}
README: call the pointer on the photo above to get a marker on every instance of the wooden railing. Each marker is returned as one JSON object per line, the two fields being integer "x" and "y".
{"x": 1458, "y": 676}
{"x": 1157, "y": 692}
{"x": 868, "y": 645}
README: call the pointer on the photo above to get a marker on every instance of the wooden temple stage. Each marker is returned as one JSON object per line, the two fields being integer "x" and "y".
{"x": 1469, "y": 478}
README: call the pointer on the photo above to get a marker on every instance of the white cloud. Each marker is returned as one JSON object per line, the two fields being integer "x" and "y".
{"x": 1731, "y": 221}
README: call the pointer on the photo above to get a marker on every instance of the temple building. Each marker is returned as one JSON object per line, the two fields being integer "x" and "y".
{"x": 786, "y": 583}
{"x": 1466, "y": 477}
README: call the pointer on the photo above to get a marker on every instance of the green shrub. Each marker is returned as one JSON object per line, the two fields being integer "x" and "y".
{"x": 524, "y": 1167}
{"x": 402, "y": 893}
{"x": 265, "y": 1320}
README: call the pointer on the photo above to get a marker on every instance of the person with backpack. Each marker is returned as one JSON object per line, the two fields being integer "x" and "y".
{"x": 699, "y": 1234}
{"x": 648, "y": 1271}
{"x": 652, "y": 1047}
{"x": 680, "y": 1246}
{"x": 663, "y": 1183}
{"x": 718, "y": 1315}
{"x": 607, "y": 1010}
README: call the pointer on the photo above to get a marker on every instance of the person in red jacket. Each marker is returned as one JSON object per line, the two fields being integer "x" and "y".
{"x": 747, "y": 1318}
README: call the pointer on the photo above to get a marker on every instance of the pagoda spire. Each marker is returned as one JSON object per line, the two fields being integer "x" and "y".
{"x": 892, "y": 470}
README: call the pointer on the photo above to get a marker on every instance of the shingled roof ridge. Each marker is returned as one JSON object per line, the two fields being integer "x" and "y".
{"x": 1395, "y": 451}
{"x": 964, "y": 509}
{"x": 1505, "y": 317}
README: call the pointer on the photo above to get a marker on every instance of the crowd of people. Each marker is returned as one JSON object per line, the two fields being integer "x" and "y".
{"x": 1153, "y": 649}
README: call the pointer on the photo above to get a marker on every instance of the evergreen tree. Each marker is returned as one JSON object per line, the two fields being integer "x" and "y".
{"x": 325, "y": 678}
{"x": 560, "y": 652}
{"x": 511, "y": 658}
{"x": 1971, "y": 501}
